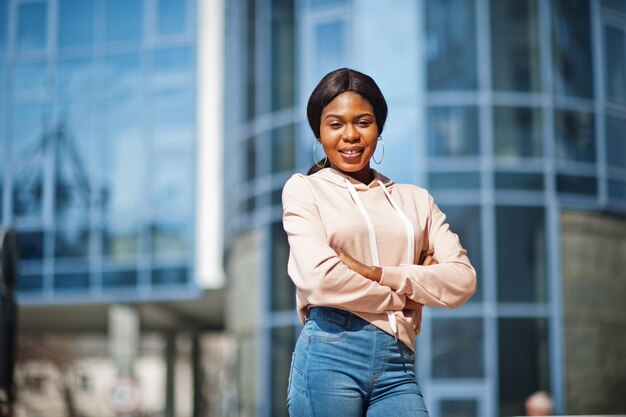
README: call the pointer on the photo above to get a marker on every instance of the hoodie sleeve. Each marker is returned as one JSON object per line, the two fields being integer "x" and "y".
{"x": 314, "y": 266}
{"x": 448, "y": 284}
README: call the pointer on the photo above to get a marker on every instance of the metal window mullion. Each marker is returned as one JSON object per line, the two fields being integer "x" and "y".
{"x": 600, "y": 98}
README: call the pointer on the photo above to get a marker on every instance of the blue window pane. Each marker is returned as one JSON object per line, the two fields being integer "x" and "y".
{"x": 457, "y": 348}
{"x": 119, "y": 279}
{"x": 72, "y": 242}
{"x": 124, "y": 20}
{"x": 616, "y": 142}
{"x": 330, "y": 48}
{"x": 73, "y": 180}
{"x": 172, "y": 17}
{"x": 123, "y": 114}
{"x": 453, "y": 131}
{"x": 401, "y": 148}
{"x": 76, "y": 78}
{"x": 4, "y": 26}
{"x": 28, "y": 185}
{"x": 615, "y": 63}
{"x": 575, "y": 136}
{"x": 122, "y": 74}
{"x": 454, "y": 180}
{"x": 123, "y": 173}
{"x": 173, "y": 185}
{"x": 30, "y": 245}
{"x": 459, "y": 408}
{"x": 521, "y": 254}
{"x": 78, "y": 118}
{"x": 120, "y": 241}
{"x": 73, "y": 281}
{"x": 173, "y": 122}
{"x": 515, "y": 45}
{"x": 76, "y": 22}
{"x": 173, "y": 66}
{"x": 284, "y": 50}
{"x": 170, "y": 276}
{"x": 523, "y": 362}
{"x": 318, "y": 4}
{"x": 517, "y": 132}
{"x": 466, "y": 223}
{"x": 30, "y": 79}
{"x": 518, "y": 181}
{"x": 451, "y": 45}
{"x": 617, "y": 190}
{"x": 32, "y": 26}
{"x": 28, "y": 283}
{"x": 283, "y": 149}
{"x": 28, "y": 126}
{"x": 571, "y": 44}
{"x": 568, "y": 184}
{"x": 171, "y": 239}
{"x": 618, "y": 6}
{"x": 2, "y": 87}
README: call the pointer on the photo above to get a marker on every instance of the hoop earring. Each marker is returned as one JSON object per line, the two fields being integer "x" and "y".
{"x": 380, "y": 139}
{"x": 314, "y": 158}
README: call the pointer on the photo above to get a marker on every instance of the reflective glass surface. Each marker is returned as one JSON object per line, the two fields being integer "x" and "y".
{"x": 124, "y": 20}
{"x": 314, "y": 4}
{"x": 330, "y": 48}
{"x": 32, "y": 26}
{"x": 173, "y": 66}
{"x": 283, "y": 54}
{"x": 451, "y": 45}
{"x": 71, "y": 281}
{"x": 616, "y": 141}
{"x": 27, "y": 127}
{"x": 400, "y": 146}
{"x": 119, "y": 279}
{"x": 466, "y": 223}
{"x": 453, "y": 131}
{"x": 522, "y": 362}
{"x": 122, "y": 74}
{"x": 170, "y": 276}
{"x": 120, "y": 241}
{"x": 75, "y": 78}
{"x": 27, "y": 283}
{"x": 517, "y": 132}
{"x": 123, "y": 172}
{"x": 73, "y": 180}
{"x": 4, "y": 8}
{"x": 569, "y": 184}
{"x": 172, "y": 16}
{"x": 453, "y": 180}
{"x": 78, "y": 119}
{"x": 283, "y": 341}
{"x": 2, "y": 88}
{"x": 249, "y": 159}
{"x": 571, "y": 48}
{"x": 171, "y": 239}
{"x": 515, "y": 45}
{"x": 615, "y": 63}
{"x": 617, "y": 190}
{"x": 575, "y": 136}
{"x": 283, "y": 148}
{"x": 518, "y": 181}
{"x": 520, "y": 241}
{"x": 31, "y": 78}
{"x": 283, "y": 292}
{"x": 28, "y": 190}
{"x": 30, "y": 245}
{"x": 173, "y": 122}
{"x": 72, "y": 242}
{"x": 76, "y": 22}
{"x": 615, "y": 5}
{"x": 457, "y": 348}
{"x": 173, "y": 184}
{"x": 458, "y": 408}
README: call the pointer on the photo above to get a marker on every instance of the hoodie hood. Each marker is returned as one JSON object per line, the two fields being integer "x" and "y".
{"x": 339, "y": 178}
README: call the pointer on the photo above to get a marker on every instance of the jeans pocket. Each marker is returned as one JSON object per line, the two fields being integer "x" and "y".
{"x": 322, "y": 330}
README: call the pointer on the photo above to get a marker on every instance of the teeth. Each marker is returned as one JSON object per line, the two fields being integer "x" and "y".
{"x": 351, "y": 151}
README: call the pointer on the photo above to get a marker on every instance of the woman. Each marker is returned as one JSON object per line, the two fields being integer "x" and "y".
{"x": 360, "y": 257}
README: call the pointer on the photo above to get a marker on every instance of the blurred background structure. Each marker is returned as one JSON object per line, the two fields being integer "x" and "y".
{"x": 144, "y": 145}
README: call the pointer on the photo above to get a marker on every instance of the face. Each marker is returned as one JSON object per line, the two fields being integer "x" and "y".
{"x": 348, "y": 133}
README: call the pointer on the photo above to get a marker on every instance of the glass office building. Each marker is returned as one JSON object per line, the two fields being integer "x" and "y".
{"x": 511, "y": 112}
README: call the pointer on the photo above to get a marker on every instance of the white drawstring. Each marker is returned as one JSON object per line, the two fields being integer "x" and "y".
{"x": 372, "y": 235}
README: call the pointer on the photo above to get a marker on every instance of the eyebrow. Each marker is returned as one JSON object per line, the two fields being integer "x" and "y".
{"x": 338, "y": 116}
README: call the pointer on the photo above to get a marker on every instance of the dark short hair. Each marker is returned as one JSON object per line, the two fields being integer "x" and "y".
{"x": 340, "y": 81}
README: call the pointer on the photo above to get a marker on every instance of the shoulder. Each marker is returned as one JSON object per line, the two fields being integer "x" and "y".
{"x": 412, "y": 190}
{"x": 296, "y": 188}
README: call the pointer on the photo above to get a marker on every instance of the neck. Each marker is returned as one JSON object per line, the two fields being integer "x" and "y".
{"x": 364, "y": 175}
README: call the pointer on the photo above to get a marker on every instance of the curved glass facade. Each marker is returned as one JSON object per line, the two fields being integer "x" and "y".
{"x": 508, "y": 111}
{"x": 98, "y": 145}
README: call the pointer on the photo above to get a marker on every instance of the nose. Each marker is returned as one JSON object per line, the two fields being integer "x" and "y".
{"x": 350, "y": 133}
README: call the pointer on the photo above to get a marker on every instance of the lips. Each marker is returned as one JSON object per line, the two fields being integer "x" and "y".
{"x": 352, "y": 154}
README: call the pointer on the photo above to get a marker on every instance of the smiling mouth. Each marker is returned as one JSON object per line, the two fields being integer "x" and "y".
{"x": 353, "y": 150}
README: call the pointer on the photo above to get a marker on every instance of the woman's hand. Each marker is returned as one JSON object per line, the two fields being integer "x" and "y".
{"x": 373, "y": 273}
{"x": 429, "y": 260}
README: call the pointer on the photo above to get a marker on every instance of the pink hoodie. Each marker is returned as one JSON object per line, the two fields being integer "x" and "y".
{"x": 384, "y": 224}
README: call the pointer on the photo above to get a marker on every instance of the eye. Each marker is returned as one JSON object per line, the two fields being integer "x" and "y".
{"x": 363, "y": 123}
{"x": 335, "y": 125}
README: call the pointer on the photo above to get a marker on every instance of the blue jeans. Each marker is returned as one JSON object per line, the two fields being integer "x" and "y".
{"x": 344, "y": 366}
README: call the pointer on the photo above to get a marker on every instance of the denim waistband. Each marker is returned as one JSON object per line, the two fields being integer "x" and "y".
{"x": 336, "y": 315}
